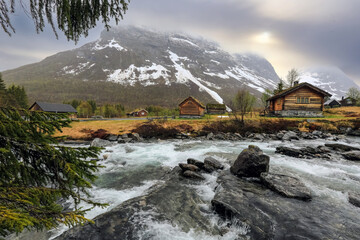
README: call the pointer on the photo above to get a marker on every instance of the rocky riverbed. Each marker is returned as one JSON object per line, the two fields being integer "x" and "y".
{"x": 197, "y": 189}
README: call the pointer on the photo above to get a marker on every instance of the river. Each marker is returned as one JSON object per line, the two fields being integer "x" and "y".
{"x": 132, "y": 169}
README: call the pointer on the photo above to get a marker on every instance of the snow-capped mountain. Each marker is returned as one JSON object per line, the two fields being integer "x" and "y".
{"x": 137, "y": 66}
{"x": 331, "y": 79}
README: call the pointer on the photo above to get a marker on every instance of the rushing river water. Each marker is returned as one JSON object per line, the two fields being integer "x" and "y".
{"x": 131, "y": 169}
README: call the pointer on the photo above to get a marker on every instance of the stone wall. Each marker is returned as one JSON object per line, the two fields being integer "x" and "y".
{"x": 299, "y": 113}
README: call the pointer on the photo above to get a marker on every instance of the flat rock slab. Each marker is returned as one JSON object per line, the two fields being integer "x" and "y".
{"x": 341, "y": 147}
{"x": 172, "y": 200}
{"x": 269, "y": 215}
{"x": 287, "y": 186}
{"x": 353, "y": 155}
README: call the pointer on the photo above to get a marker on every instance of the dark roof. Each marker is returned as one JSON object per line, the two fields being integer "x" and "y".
{"x": 55, "y": 107}
{"x": 294, "y": 88}
{"x": 332, "y": 100}
{"x": 194, "y": 99}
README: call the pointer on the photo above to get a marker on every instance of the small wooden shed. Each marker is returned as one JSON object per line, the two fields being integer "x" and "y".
{"x": 54, "y": 108}
{"x": 301, "y": 100}
{"x": 138, "y": 113}
{"x": 191, "y": 107}
{"x": 215, "y": 108}
{"x": 332, "y": 103}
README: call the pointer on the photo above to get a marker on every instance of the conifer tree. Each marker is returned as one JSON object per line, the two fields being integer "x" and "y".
{"x": 2, "y": 85}
{"x": 73, "y": 17}
{"x": 35, "y": 173}
{"x": 17, "y": 96}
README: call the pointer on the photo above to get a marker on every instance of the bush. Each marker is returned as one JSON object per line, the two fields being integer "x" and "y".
{"x": 149, "y": 130}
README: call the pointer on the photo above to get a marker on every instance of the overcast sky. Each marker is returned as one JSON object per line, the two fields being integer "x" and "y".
{"x": 289, "y": 33}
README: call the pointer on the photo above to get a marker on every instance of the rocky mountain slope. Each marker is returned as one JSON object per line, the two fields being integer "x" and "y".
{"x": 331, "y": 79}
{"x": 139, "y": 67}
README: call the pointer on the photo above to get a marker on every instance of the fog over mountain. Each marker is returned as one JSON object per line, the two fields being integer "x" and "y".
{"x": 137, "y": 66}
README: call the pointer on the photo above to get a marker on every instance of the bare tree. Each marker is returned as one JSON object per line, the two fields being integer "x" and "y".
{"x": 292, "y": 76}
{"x": 354, "y": 94}
{"x": 243, "y": 103}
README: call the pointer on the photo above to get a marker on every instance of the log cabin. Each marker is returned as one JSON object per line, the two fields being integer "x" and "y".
{"x": 54, "y": 108}
{"x": 191, "y": 107}
{"x": 301, "y": 100}
{"x": 138, "y": 113}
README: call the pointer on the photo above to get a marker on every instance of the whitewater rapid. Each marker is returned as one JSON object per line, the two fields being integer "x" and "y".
{"x": 132, "y": 169}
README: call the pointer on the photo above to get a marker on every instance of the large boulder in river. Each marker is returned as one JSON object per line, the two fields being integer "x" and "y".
{"x": 251, "y": 162}
{"x": 353, "y": 155}
{"x": 213, "y": 163}
{"x": 290, "y": 135}
{"x": 287, "y": 186}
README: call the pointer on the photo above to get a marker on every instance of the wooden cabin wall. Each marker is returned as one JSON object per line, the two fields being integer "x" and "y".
{"x": 316, "y": 100}
{"x": 278, "y": 106}
{"x": 36, "y": 107}
{"x": 191, "y": 108}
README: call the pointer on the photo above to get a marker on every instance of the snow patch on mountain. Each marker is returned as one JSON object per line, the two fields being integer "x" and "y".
{"x": 111, "y": 44}
{"x": 184, "y": 40}
{"x": 76, "y": 70}
{"x": 330, "y": 79}
{"x": 143, "y": 75}
{"x": 183, "y": 75}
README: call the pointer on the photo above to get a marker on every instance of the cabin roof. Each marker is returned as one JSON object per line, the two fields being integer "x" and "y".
{"x": 55, "y": 107}
{"x": 330, "y": 101}
{"x": 217, "y": 106}
{"x": 294, "y": 88}
{"x": 195, "y": 100}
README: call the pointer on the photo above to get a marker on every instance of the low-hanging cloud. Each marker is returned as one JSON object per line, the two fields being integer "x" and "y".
{"x": 290, "y": 34}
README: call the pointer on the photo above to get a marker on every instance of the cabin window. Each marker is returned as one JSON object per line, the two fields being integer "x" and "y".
{"x": 302, "y": 100}
{"x": 315, "y": 100}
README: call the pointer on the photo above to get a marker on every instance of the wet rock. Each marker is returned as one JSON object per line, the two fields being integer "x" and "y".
{"x": 208, "y": 168}
{"x": 105, "y": 156}
{"x": 353, "y": 132}
{"x": 210, "y": 161}
{"x": 193, "y": 175}
{"x": 136, "y": 137}
{"x": 258, "y": 136}
{"x": 353, "y": 155}
{"x": 189, "y": 167}
{"x": 269, "y": 215}
{"x": 292, "y": 152}
{"x": 354, "y": 199}
{"x": 97, "y": 142}
{"x": 287, "y": 186}
{"x": 171, "y": 200}
{"x": 251, "y": 162}
{"x": 210, "y": 136}
{"x": 124, "y": 140}
{"x": 290, "y": 135}
{"x": 195, "y": 162}
{"x": 125, "y": 135}
{"x": 341, "y": 147}
{"x": 280, "y": 136}
{"x": 112, "y": 138}
{"x": 317, "y": 133}
{"x": 306, "y": 152}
